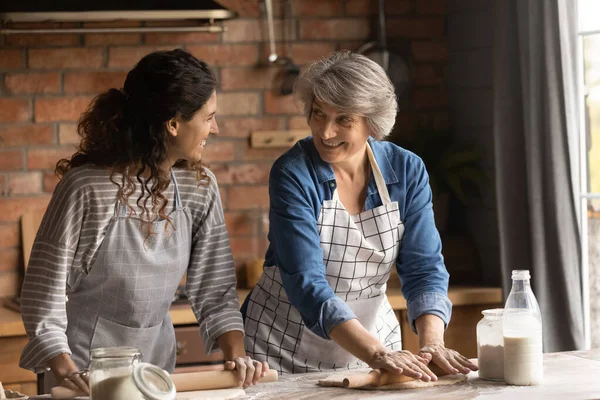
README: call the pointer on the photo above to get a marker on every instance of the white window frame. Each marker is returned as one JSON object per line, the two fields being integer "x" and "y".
{"x": 584, "y": 28}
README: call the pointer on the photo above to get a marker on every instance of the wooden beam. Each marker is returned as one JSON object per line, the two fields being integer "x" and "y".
{"x": 244, "y": 8}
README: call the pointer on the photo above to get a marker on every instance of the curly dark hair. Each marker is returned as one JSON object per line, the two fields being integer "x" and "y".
{"x": 124, "y": 130}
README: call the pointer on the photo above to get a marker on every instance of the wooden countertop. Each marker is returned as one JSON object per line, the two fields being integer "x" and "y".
{"x": 12, "y": 325}
{"x": 182, "y": 314}
{"x": 458, "y": 295}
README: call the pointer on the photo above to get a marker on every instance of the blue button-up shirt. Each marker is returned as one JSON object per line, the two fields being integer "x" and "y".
{"x": 299, "y": 183}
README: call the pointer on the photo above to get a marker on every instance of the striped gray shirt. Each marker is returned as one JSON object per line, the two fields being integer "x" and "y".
{"x": 71, "y": 233}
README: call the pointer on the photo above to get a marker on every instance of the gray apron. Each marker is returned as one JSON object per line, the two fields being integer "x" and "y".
{"x": 125, "y": 297}
{"x": 359, "y": 253}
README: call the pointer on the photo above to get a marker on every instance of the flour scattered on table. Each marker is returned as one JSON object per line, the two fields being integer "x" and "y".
{"x": 419, "y": 384}
{"x": 220, "y": 394}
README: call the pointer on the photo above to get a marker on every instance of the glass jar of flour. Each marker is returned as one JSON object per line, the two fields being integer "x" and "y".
{"x": 118, "y": 373}
{"x": 490, "y": 345}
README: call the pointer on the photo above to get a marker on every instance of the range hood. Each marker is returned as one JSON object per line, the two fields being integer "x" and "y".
{"x": 200, "y": 15}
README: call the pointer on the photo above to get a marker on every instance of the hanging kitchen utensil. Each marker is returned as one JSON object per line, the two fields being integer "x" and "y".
{"x": 290, "y": 71}
{"x": 394, "y": 64}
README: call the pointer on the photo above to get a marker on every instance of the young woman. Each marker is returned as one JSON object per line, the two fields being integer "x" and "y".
{"x": 133, "y": 212}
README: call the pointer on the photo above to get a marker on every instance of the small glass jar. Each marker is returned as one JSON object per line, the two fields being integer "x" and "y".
{"x": 490, "y": 345}
{"x": 118, "y": 373}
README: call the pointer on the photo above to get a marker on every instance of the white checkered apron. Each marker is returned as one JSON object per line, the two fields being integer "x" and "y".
{"x": 359, "y": 253}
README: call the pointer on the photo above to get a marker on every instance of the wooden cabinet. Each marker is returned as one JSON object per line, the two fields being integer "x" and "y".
{"x": 460, "y": 335}
{"x": 190, "y": 357}
{"x": 467, "y": 304}
{"x": 190, "y": 348}
{"x": 11, "y": 376}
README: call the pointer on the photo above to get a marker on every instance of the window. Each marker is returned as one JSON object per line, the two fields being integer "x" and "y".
{"x": 589, "y": 46}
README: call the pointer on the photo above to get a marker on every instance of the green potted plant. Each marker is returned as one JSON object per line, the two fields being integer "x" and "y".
{"x": 454, "y": 168}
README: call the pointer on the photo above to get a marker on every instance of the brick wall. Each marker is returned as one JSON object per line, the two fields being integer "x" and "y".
{"x": 46, "y": 81}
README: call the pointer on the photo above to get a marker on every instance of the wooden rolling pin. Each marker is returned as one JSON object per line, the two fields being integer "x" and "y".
{"x": 204, "y": 380}
{"x": 374, "y": 378}
{"x": 186, "y": 382}
{"x": 379, "y": 378}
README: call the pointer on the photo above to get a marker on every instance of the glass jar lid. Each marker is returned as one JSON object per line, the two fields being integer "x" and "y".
{"x": 494, "y": 312}
{"x": 153, "y": 382}
{"x": 115, "y": 352}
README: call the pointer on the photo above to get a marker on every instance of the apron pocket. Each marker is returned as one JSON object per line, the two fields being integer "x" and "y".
{"x": 147, "y": 340}
{"x": 315, "y": 348}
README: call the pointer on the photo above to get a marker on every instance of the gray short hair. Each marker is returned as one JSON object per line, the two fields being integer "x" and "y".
{"x": 354, "y": 84}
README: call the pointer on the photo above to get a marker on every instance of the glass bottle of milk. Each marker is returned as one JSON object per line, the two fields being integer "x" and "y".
{"x": 522, "y": 330}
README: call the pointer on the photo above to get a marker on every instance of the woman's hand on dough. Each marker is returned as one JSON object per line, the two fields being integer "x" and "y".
{"x": 451, "y": 361}
{"x": 249, "y": 371}
{"x": 403, "y": 362}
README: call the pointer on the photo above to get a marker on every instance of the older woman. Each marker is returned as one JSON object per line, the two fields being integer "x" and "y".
{"x": 345, "y": 208}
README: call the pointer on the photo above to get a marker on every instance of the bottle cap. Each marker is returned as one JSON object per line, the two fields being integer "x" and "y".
{"x": 520, "y": 274}
{"x": 155, "y": 383}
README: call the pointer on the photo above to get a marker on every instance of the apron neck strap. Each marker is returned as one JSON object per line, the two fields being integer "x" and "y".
{"x": 335, "y": 196}
{"x": 177, "y": 203}
{"x": 379, "y": 181}
{"x": 121, "y": 208}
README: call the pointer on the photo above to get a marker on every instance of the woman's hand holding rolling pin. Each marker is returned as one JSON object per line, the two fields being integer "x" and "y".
{"x": 249, "y": 371}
